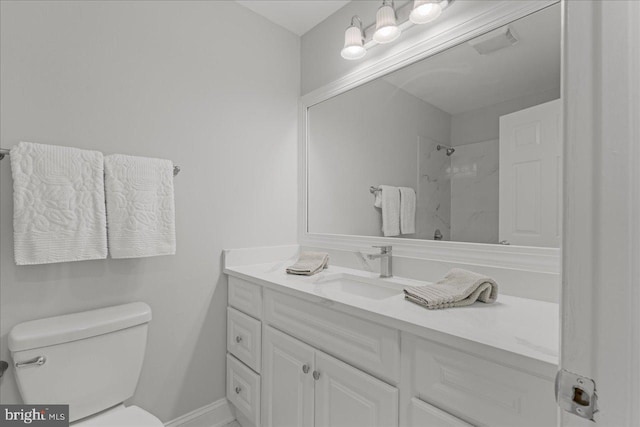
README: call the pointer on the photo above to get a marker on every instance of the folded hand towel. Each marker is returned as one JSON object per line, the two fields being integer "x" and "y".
{"x": 390, "y": 210}
{"x": 140, "y": 206}
{"x": 58, "y": 204}
{"x": 459, "y": 288}
{"x": 309, "y": 263}
{"x": 407, "y": 210}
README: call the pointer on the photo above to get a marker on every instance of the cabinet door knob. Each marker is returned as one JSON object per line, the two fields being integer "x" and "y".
{"x": 238, "y": 390}
{"x": 305, "y": 369}
{"x": 316, "y": 375}
{"x": 238, "y": 339}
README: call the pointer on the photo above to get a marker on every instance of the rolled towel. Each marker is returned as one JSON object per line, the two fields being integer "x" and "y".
{"x": 459, "y": 288}
{"x": 309, "y": 263}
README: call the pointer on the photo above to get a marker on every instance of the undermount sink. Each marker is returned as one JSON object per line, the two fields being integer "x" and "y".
{"x": 365, "y": 287}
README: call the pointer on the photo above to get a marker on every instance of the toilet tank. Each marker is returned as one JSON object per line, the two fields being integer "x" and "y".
{"x": 90, "y": 360}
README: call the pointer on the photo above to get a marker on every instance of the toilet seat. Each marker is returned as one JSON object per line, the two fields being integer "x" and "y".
{"x": 131, "y": 416}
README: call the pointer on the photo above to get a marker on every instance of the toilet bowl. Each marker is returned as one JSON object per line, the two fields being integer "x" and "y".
{"x": 90, "y": 361}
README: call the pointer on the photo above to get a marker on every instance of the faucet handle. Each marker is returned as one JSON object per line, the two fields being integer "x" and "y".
{"x": 385, "y": 249}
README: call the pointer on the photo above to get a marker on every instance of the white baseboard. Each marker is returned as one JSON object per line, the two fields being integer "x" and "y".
{"x": 215, "y": 414}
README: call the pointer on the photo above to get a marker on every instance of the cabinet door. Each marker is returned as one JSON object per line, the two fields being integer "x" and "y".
{"x": 422, "y": 414}
{"x": 347, "y": 397}
{"x": 287, "y": 389}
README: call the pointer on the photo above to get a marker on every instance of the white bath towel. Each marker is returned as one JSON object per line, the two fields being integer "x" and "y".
{"x": 58, "y": 204}
{"x": 140, "y": 206}
{"x": 407, "y": 210}
{"x": 459, "y": 288}
{"x": 390, "y": 210}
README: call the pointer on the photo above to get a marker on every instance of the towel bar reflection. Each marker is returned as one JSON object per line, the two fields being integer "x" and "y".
{"x": 5, "y": 152}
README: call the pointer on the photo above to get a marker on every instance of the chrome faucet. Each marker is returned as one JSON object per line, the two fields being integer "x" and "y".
{"x": 385, "y": 260}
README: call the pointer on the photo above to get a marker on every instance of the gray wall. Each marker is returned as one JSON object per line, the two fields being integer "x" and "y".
{"x": 369, "y": 136}
{"x": 483, "y": 124}
{"x": 211, "y": 86}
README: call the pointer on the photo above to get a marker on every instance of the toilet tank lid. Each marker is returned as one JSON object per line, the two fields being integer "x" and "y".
{"x": 76, "y": 326}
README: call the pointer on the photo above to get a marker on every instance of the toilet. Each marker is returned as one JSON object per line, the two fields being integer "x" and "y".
{"x": 90, "y": 361}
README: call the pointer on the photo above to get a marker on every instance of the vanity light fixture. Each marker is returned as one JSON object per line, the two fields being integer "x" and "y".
{"x": 354, "y": 40}
{"x": 425, "y": 11}
{"x": 387, "y": 29}
{"x": 390, "y": 22}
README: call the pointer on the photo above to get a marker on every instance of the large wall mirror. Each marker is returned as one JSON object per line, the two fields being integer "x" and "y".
{"x": 473, "y": 131}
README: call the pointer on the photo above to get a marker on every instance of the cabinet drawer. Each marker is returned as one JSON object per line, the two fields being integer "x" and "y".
{"x": 244, "y": 338}
{"x": 245, "y": 296}
{"x": 368, "y": 346}
{"x": 422, "y": 414}
{"x": 474, "y": 388}
{"x": 243, "y": 389}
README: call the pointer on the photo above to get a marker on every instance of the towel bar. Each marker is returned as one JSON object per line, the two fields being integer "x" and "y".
{"x": 5, "y": 152}
{"x": 374, "y": 190}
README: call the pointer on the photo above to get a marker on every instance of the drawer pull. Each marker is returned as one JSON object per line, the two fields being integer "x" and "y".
{"x": 238, "y": 339}
{"x": 316, "y": 375}
{"x": 238, "y": 390}
{"x": 305, "y": 369}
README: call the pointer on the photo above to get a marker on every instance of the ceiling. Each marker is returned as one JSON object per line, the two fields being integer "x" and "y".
{"x": 297, "y": 16}
{"x": 460, "y": 79}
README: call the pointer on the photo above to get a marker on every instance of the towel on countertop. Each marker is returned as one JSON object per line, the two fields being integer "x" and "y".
{"x": 407, "y": 210}
{"x": 140, "y": 206}
{"x": 309, "y": 263}
{"x": 390, "y": 197}
{"x": 58, "y": 204}
{"x": 459, "y": 288}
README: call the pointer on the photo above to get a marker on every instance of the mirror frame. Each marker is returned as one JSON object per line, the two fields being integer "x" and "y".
{"x": 476, "y": 19}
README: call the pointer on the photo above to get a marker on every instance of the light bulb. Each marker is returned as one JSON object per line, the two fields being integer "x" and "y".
{"x": 386, "y": 28}
{"x": 425, "y": 11}
{"x": 353, "y": 52}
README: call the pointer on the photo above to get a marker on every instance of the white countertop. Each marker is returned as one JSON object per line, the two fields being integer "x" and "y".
{"x": 522, "y": 326}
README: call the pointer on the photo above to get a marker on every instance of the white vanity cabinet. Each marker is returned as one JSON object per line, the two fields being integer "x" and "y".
{"x": 299, "y": 360}
{"x": 276, "y": 380}
{"x": 303, "y": 386}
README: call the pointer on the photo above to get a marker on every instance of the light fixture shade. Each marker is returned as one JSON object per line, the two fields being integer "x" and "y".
{"x": 353, "y": 43}
{"x": 425, "y": 11}
{"x": 386, "y": 28}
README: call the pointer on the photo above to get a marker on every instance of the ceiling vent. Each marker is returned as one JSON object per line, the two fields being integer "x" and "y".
{"x": 493, "y": 41}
